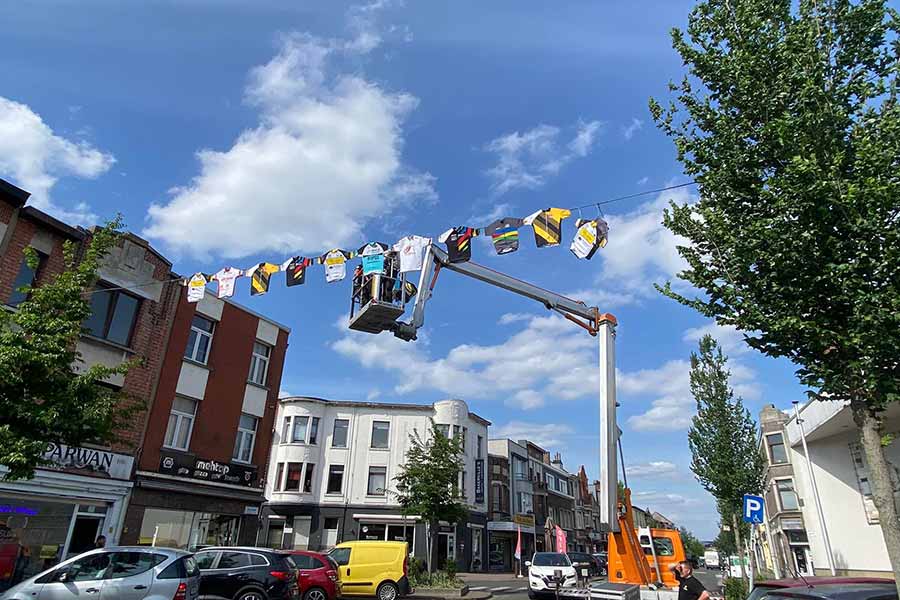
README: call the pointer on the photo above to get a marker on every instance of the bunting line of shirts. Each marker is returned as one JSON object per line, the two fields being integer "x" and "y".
{"x": 547, "y": 225}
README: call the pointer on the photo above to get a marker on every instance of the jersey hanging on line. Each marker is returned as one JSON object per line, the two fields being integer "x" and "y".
{"x": 459, "y": 243}
{"x": 505, "y": 234}
{"x": 335, "y": 264}
{"x": 547, "y": 225}
{"x": 590, "y": 236}
{"x": 372, "y": 257}
{"x": 226, "y": 278}
{"x": 196, "y": 287}
{"x": 295, "y": 270}
{"x": 260, "y": 276}
{"x": 411, "y": 250}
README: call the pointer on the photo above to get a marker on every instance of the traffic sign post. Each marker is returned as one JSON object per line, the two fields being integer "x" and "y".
{"x": 753, "y": 508}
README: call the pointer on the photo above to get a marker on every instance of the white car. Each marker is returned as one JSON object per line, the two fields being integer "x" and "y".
{"x": 543, "y": 571}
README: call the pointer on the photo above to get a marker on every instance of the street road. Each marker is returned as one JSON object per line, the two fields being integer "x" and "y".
{"x": 711, "y": 579}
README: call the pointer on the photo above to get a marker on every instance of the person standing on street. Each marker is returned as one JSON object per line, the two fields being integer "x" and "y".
{"x": 689, "y": 587}
{"x": 101, "y": 542}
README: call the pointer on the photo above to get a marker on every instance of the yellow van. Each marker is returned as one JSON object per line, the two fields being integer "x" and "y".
{"x": 372, "y": 568}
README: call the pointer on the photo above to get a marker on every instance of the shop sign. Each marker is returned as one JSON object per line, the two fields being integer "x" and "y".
{"x": 116, "y": 466}
{"x": 479, "y": 480}
{"x": 251, "y": 510}
{"x": 524, "y": 520}
{"x": 207, "y": 470}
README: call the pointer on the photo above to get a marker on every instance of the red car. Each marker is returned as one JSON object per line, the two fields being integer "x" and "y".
{"x": 318, "y": 576}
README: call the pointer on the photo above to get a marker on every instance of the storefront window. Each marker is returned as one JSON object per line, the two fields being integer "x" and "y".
{"x": 390, "y": 533}
{"x": 372, "y": 531}
{"x": 187, "y": 530}
{"x": 33, "y": 535}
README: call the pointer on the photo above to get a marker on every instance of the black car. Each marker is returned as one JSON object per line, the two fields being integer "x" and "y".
{"x": 582, "y": 560}
{"x": 247, "y": 574}
{"x": 837, "y": 591}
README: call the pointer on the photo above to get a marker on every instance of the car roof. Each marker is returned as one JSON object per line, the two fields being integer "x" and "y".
{"x": 368, "y": 543}
{"x": 840, "y": 591}
{"x": 244, "y": 549}
{"x": 172, "y": 552}
{"x": 817, "y": 581}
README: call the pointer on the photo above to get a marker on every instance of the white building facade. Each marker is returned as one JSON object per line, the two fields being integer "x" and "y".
{"x": 841, "y": 474}
{"x": 332, "y": 469}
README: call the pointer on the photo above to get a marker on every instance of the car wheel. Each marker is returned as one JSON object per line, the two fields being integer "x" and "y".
{"x": 532, "y": 595}
{"x": 315, "y": 594}
{"x": 388, "y": 591}
{"x": 250, "y": 595}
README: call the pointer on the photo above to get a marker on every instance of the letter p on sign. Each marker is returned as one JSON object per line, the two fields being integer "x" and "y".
{"x": 753, "y": 508}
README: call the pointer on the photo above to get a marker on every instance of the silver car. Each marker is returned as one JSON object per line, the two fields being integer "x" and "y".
{"x": 118, "y": 573}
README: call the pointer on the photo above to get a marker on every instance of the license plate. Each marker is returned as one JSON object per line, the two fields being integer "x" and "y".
{"x": 584, "y": 572}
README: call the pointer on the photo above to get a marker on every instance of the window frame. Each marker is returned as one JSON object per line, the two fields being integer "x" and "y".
{"x": 35, "y": 275}
{"x": 255, "y": 360}
{"x": 289, "y": 426}
{"x": 114, "y": 295}
{"x": 181, "y": 416}
{"x": 369, "y": 491}
{"x": 242, "y": 434}
{"x": 287, "y": 478}
{"x": 793, "y": 490}
{"x": 343, "y": 470}
{"x": 771, "y": 454}
{"x": 197, "y": 333}
{"x": 309, "y": 483}
{"x": 279, "y": 475}
{"x": 346, "y": 433}
{"x": 387, "y": 443}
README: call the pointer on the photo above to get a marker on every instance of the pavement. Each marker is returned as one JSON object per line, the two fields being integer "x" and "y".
{"x": 500, "y": 584}
{"x": 711, "y": 579}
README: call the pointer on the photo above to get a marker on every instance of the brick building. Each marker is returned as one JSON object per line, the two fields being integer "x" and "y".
{"x": 200, "y": 475}
{"x": 62, "y": 510}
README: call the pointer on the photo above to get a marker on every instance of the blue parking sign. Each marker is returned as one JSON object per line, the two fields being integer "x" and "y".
{"x": 753, "y": 508}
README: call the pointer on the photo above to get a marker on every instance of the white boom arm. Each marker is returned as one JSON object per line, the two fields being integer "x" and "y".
{"x": 577, "y": 312}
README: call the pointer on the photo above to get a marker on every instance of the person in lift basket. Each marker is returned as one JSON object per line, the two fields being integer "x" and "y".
{"x": 689, "y": 587}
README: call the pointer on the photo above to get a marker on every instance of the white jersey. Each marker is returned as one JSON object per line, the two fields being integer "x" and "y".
{"x": 196, "y": 287}
{"x": 335, "y": 266}
{"x": 411, "y": 250}
{"x": 226, "y": 278}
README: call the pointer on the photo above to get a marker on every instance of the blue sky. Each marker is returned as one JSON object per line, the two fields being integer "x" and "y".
{"x": 229, "y": 132}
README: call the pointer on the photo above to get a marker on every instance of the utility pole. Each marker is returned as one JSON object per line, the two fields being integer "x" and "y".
{"x": 609, "y": 431}
{"x": 815, "y": 490}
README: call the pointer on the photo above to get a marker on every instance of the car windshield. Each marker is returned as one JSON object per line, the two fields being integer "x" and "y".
{"x": 761, "y": 591}
{"x": 551, "y": 559}
{"x": 340, "y": 556}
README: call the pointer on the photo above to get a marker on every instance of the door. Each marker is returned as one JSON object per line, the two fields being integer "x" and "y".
{"x": 801, "y": 559}
{"x": 349, "y": 578}
{"x": 446, "y": 549}
{"x": 301, "y": 532}
{"x": 84, "y": 534}
{"x": 231, "y": 572}
{"x": 329, "y": 539}
{"x": 82, "y": 579}
{"x": 130, "y": 575}
{"x": 477, "y": 535}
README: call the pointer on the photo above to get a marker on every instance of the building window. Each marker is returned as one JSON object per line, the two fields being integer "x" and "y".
{"x": 113, "y": 314}
{"x": 479, "y": 453}
{"x": 465, "y": 432}
{"x": 181, "y": 423}
{"x": 279, "y": 472}
{"x": 462, "y": 484}
{"x": 300, "y": 430}
{"x": 26, "y": 277}
{"x": 445, "y": 430}
{"x": 787, "y": 497}
{"x": 377, "y": 481}
{"x": 339, "y": 435}
{"x": 777, "y": 451}
{"x": 519, "y": 466}
{"x": 308, "y": 478}
{"x": 199, "y": 340}
{"x": 381, "y": 431}
{"x": 524, "y": 503}
{"x": 246, "y": 436}
{"x": 259, "y": 363}
{"x": 292, "y": 483}
{"x": 335, "y": 479}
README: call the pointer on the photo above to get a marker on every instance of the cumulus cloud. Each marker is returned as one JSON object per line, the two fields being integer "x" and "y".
{"x": 528, "y": 159}
{"x": 643, "y": 180}
{"x": 546, "y": 435}
{"x": 730, "y": 339}
{"x": 632, "y": 128}
{"x": 323, "y": 160}
{"x": 653, "y": 469}
{"x": 34, "y": 158}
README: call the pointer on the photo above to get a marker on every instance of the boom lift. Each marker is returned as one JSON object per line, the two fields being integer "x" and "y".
{"x": 635, "y": 557}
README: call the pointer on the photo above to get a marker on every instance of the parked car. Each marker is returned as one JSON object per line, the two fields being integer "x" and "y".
{"x": 542, "y": 570}
{"x": 247, "y": 574}
{"x": 836, "y": 591}
{"x": 583, "y": 560}
{"x": 369, "y": 568}
{"x": 120, "y": 573}
{"x": 761, "y": 589}
{"x": 602, "y": 558}
{"x": 318, "y": 575}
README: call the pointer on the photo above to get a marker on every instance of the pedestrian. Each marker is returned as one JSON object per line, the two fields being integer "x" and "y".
{"x": 101, "y": 542}
{"x": 689, "y": 587}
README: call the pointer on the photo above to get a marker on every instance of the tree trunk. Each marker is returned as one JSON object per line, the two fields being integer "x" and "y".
{"x": 739, "y": 546}
{"x": 429, "y": 546}
{"x": 880, "y": 478}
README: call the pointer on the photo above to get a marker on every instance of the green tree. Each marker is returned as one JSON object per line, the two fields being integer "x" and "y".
{"x": 788, "y": 121}
{"x": 692, "y": 545}
{"x": 723, "y": 438}
{"x": 428, "y": 483}
{"x": 45, "y": 399}
{"x": 724, "y": 543}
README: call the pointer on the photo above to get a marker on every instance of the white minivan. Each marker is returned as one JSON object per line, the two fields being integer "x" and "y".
{"x": 542, "y": 572}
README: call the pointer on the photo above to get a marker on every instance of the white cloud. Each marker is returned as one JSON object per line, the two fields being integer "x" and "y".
{"x": 643, "y": 180}
{"x": 283, "y": 393}
{"x": 323, "y": 161}
{"x": 509, "y": 318}
{"x": 373, "y": 395}
{"x": 629, "y": 130}
{"x": 528, "y": 159}
{"x": 653, "y": 469}
{"x": 730, "y": 339}
{"x": 660, "y": 501}
{"x": 526, "y": 400}
{"x": 547, "y": 435}
{"x": 34, "y": 158}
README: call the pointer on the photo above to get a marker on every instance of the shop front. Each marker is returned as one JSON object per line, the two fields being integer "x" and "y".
{"x": 61, "y": 511}
{"x": 502, "y": 539}
{"x": 193, "y": 504}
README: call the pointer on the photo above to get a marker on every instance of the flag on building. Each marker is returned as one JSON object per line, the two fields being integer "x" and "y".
{"x": 519, "y": 543}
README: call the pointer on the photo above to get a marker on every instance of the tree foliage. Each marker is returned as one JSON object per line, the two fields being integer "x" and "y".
{"x": 44, "y": 399}
{"x": 428, "y": 481}
{"x": 692, "y": 546}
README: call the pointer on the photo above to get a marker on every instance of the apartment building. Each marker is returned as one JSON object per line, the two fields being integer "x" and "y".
{"x": 200, "y": 473}
{"x": 511, "y": 504}
{"x": 841, "y": 473}
{"x": 332, "y": 469}
{"x": 83, "y": 493}
{"x": 560, "y": 496}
